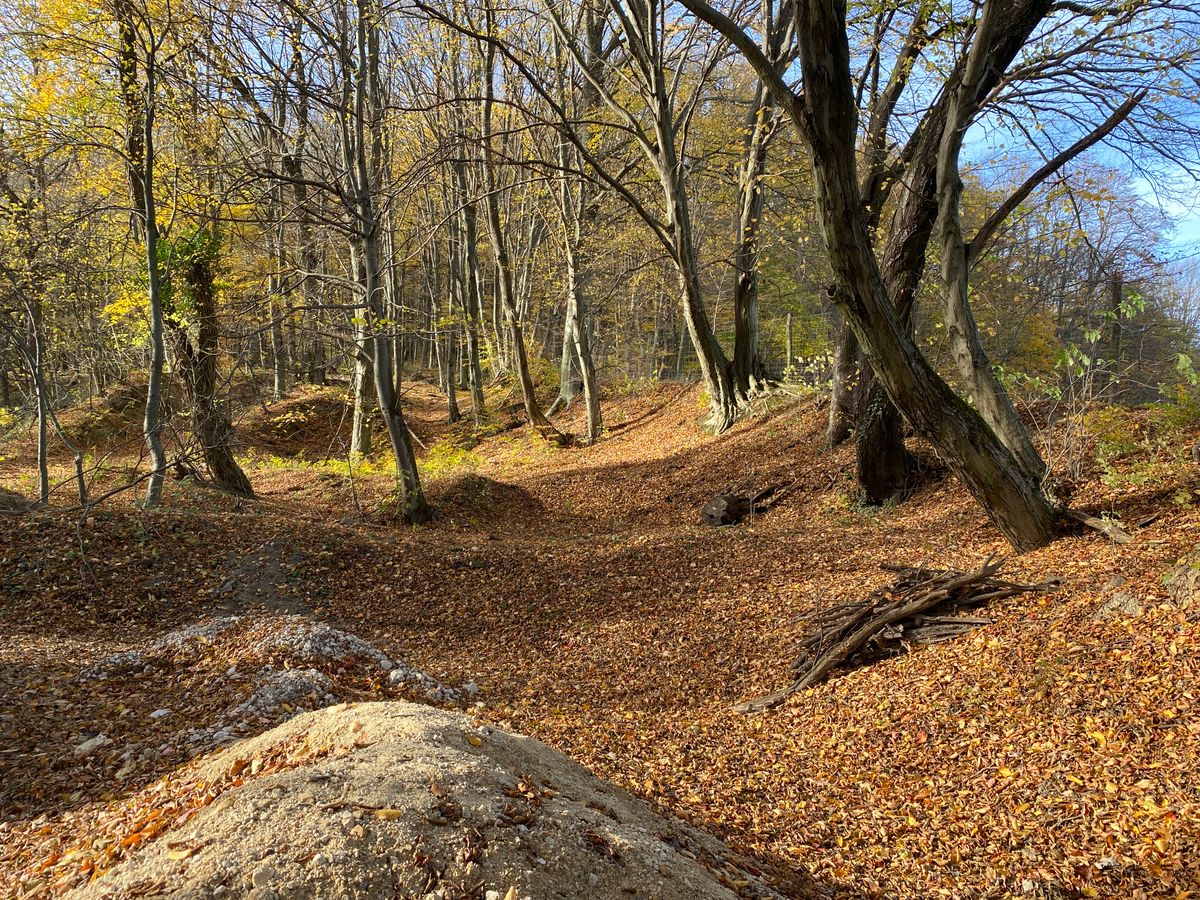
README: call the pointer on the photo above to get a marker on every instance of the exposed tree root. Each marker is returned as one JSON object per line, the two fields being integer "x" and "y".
{"x": 1105, "y": 527}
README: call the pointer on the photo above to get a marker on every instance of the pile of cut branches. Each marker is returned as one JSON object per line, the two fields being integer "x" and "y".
{"x": 921, "y": 606}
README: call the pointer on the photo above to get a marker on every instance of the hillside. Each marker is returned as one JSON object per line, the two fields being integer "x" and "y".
{"x": 1050, "y": 754}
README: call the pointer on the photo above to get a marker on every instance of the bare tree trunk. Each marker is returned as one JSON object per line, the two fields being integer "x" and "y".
{"x": 748, "y": 370}
{"x": 362, "y": 377}
{"x": 452, "y": 411}
{"x": 472, "y": 283}
{"x": 36, "y": 355}
{"x": 844, "y": 384}
{"x": 714, "y": 365}
{"x": 1000, "y": 484}
{"x": 1116, "y": 297}
{"x": 139, "y": 108}
{"x": 990, "y": 398}
{"x": 151, "y": 424}
{"x": 199, "y": 368}
{"x": 581, "y": 349}
{"x": 789, "y": 359}
{"x": 504, "y": 272}
{"x": 569, "y": 384}
{"x": 365, "y": 162}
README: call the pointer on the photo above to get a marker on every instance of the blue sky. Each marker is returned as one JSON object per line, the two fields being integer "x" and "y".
{"x": 1187, "y": 233}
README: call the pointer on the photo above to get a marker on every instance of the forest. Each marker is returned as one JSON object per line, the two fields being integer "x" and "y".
{"x": 599, "y": 448}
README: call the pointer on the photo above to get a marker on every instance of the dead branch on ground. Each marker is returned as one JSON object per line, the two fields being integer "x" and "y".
{"x": 921, "y": 606}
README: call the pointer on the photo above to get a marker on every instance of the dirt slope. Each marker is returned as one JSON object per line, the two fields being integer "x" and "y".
{"x": 1052, "y": 754}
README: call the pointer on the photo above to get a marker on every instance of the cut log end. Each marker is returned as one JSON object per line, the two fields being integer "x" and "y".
{"x": 726, "y": 509}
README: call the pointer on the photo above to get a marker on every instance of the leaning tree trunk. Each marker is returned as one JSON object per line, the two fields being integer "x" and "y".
{"x": 974, "y": 367}
{"x": 505, "y": 287}
{"x": 827, "y": 120}
{"x": 724, "y": 399}
{"x": 365, "y": 159}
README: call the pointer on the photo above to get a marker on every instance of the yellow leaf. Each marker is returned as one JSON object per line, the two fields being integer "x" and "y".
{"x": 1006, "y": 772}
{"x": 388, "y": 814}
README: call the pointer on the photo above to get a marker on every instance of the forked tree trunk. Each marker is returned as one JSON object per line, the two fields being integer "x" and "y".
{"x": 828, "y": 122}
{"x": 365, "y": 160}
{"x": 990, "y": 398}
{"x": 577, "y": 369}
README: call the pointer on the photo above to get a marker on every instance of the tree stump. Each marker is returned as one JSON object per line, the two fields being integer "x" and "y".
{"x": 726, "y": 509}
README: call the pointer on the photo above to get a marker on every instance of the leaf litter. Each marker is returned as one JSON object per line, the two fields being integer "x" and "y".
{"x": 1050, "y": 754}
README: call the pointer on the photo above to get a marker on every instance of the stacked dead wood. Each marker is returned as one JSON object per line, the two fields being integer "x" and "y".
{"x": 921, "y": 606}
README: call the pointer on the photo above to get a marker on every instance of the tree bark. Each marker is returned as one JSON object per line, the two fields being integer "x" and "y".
{"x": 365, "y": 163}
{"x": 843, "y": 386}
{"x": 151, "y": 423}
{"x": 827, "y": 121}
{"x": 748, "y": 370}
{"x": 503, "y": 266}
{"x": 199, "y": 367}
{"x": 991, "y": 399}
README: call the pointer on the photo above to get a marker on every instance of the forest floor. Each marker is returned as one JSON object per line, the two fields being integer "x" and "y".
{"x": 1054, "y": 753}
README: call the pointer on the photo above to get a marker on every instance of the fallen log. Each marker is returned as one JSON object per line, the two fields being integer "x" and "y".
{"x": 919, "y": 607}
